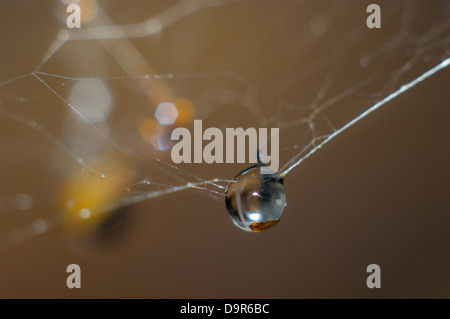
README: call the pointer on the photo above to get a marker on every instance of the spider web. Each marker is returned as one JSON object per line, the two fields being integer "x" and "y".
{"x": 82, "y": 118}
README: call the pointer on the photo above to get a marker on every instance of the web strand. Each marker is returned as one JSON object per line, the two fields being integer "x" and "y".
{"x": 373, "y": 108}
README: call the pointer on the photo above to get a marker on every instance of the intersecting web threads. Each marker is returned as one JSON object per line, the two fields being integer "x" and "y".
{"x": 84, "y": 113}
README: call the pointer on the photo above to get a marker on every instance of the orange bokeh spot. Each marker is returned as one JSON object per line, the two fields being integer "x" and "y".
{"x": 186, "y": 110}
{"x": 148, "y": 128}
{"x": 89, "y": 9}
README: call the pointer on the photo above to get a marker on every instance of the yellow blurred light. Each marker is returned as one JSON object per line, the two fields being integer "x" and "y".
{"x": 85, "y": 213}
{"x": 186, "y": 110}
{"x": 148, "y": 128}
{"x": 89, "y": 9}
{"x": 89, "y": 201}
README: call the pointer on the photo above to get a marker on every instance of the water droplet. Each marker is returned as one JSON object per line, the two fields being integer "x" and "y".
{"x": 255, "y": 201}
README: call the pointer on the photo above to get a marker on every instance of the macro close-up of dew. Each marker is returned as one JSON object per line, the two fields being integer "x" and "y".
{"x": 108, "y": 161}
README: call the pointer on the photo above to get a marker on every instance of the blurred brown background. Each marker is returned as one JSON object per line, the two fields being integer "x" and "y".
{"x": 378, "y": 193}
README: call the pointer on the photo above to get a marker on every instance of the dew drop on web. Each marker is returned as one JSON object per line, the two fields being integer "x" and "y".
{"x": 255, "y": 201}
